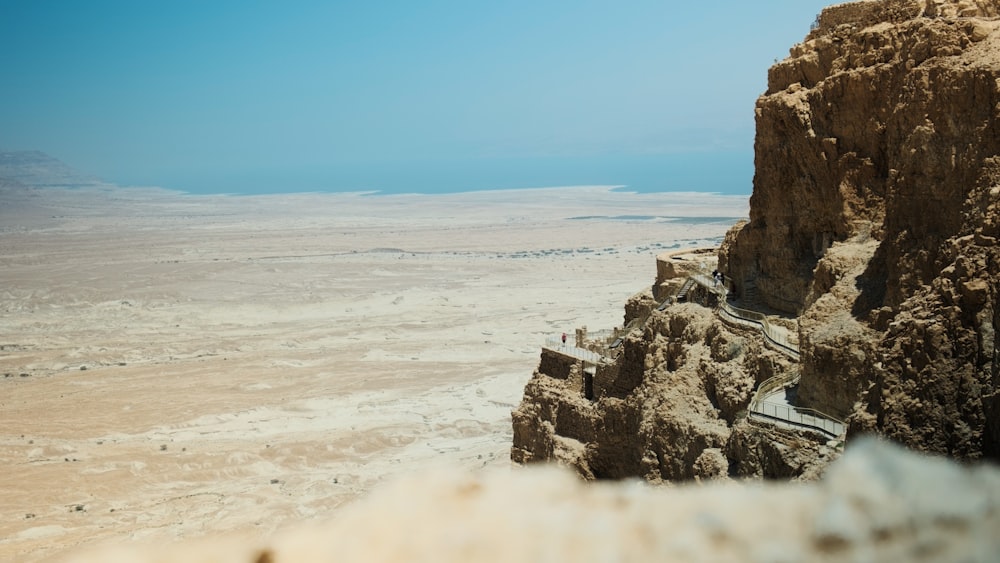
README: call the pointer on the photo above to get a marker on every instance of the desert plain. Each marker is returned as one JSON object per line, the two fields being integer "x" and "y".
{"x": 174, "y": 366}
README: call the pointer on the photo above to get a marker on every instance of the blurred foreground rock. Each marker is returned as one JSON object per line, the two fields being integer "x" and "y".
{"x": 877, "y": 503}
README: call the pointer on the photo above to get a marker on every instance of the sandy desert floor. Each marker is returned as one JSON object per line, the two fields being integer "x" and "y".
{"x": 173, "y": 366}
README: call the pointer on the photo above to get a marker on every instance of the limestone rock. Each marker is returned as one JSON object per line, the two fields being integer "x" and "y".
{"x": 875, "y": 220}
{"x": 665, "y": 409}
{"x": 875, "y": 216}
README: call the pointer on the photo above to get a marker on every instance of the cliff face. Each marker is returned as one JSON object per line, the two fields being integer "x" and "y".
{"x": 874, "y": 226}
{"x": 882, "y": 123}
{"x": 670, "y": 407}
{"x": 875, "y": 215}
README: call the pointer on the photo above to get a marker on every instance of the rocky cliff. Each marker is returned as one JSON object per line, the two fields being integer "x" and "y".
{"x": 670, "y": 400}
{"x": 875, "y": 217}
{"x": 873, "y": 234}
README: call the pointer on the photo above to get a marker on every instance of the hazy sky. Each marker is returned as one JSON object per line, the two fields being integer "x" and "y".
{"x": 204, "y": 94}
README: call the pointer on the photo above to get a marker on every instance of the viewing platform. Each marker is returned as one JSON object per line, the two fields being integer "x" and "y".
{"x": 581, "y": 354}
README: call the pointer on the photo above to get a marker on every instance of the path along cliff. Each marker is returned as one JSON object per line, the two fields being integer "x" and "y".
{"x": 873, "y": 235}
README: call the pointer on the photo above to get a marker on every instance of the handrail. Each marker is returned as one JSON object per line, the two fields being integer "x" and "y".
{"x": 776, "y": 335}
{"x": 773, "y": 334}
{"x": 589, "y": 356}
{"x": 799, "y": 416}
{"x": 772, "y": 384}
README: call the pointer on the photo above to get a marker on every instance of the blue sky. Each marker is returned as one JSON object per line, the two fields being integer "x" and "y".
{"x": 273, "y": 96}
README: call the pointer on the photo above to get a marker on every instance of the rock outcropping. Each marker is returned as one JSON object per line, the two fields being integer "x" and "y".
{"x": 672, "y": 403}
{"x": 876, "y": 218}
{"x": 874, "y": 231}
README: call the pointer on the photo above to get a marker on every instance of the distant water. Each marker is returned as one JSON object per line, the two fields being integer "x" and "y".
{"x": 658, "y": 219}
{"x": 729, "y": 173}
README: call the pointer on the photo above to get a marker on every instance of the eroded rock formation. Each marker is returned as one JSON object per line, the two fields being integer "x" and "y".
{"x": 874, "y": 223}
{"x": 876, "y": 215}
{"x": 671, "y": 406}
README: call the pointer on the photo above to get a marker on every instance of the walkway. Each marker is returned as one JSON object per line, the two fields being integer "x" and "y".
{"x": 582, "y": 354}
{"x": 770, "y": 403}
{"x": 774, "y": 334}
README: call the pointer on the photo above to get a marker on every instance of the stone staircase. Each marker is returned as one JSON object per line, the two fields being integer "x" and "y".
{"x": 750, "y": 295}
{"x": 682, "y": 294}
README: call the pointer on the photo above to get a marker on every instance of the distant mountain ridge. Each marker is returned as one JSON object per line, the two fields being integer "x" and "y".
{"x": 37, "y": 169}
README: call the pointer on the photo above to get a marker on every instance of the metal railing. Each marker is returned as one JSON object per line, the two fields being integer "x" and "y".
{"x": 582, "y": 354}
{"x": 776, "y": 335}
{"x": 603, "y": 337}
{"x": 806, "y": 418}
{"x": 798, "y": 416}
{"x": 709, "y": 283}
{"x": 772, "y": 385}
